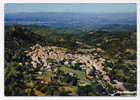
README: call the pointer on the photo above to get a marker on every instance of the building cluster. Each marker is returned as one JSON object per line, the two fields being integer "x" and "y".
{"x": 90, "y": 63}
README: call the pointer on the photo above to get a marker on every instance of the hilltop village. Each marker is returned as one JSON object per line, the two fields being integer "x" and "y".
{"x": 42, "y": 61}
{"x": 90, "y": 64}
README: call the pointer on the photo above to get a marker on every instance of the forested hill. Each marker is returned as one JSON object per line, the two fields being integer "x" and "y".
{"x": 102, "y": 62}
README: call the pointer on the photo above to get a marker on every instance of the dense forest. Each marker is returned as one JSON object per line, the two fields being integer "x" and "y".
{"x": 118, "y": 49}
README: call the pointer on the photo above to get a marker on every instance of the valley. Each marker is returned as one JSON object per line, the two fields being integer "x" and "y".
{"x": 44, "y": 61}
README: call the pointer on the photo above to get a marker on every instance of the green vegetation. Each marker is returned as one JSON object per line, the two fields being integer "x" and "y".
{"x": 118, "y": 48}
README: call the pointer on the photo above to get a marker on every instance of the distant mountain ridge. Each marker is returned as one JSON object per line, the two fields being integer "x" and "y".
{"x": 72, "y": 20}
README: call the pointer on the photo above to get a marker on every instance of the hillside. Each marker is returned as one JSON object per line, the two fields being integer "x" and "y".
{"x": 45, "y": 61}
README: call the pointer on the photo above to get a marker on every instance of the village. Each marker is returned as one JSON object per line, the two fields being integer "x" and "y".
{"x": 89, "y": 63}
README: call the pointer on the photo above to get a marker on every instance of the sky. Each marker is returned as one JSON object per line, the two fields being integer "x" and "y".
{"x": 71, "y": 7}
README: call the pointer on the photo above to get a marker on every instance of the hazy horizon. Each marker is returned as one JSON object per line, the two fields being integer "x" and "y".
{"x": 76, "y": 15}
